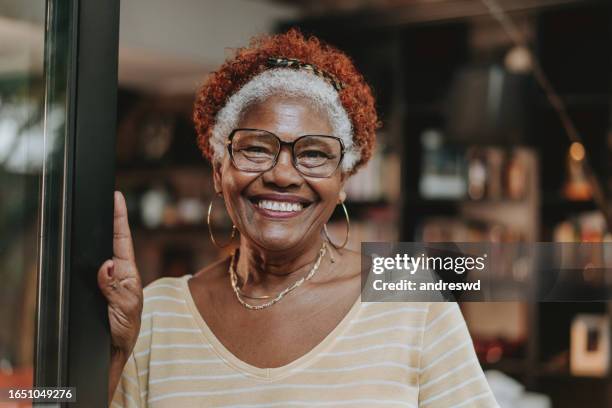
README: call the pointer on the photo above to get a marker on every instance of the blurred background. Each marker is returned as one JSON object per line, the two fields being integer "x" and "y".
{"x": 471, "y": 149}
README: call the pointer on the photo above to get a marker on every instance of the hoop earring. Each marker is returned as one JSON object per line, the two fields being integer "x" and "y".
{"x": 348, "y": 229}
{"x": 210, "y": 233}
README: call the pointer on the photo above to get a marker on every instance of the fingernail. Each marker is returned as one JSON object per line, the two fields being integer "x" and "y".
{"x": 111, "y": 270}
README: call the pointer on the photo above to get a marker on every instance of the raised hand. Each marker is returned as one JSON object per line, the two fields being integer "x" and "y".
{"x": 119, "y": 281}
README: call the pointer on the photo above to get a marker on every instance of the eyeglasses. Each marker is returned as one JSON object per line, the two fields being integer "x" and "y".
{"x": 255, "y": 150}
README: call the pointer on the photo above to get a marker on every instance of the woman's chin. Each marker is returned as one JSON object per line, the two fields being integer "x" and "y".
{"x": 278, "y": 240}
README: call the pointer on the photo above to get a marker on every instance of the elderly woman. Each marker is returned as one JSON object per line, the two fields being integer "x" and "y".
{"x": 279, "y": 323}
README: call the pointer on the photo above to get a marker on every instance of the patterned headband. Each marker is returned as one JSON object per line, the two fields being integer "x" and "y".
{"x": 280, "y": 62}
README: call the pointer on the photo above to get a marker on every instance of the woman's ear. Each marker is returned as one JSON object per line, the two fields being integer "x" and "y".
{"x": 217, "y": 166}
{"x": 342, "y": 195}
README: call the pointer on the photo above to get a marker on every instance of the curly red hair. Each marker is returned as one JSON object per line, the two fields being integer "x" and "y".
{"x": 356, "y": 96}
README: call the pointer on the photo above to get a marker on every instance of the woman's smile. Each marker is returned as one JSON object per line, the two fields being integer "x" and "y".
{"x": 276, "y": 205}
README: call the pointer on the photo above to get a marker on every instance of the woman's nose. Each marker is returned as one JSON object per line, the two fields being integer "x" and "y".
{"x": 284, "y": 173}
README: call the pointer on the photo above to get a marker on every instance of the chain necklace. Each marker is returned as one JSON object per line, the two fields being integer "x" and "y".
{"x": 240, "y": 295}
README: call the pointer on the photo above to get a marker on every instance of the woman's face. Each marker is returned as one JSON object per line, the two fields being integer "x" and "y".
{"x": 311, "y": 200}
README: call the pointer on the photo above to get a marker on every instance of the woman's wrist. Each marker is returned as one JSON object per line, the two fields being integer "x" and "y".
{"x": 119, "y": 355}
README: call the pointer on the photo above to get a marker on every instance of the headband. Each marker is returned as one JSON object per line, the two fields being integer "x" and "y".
{"x": 280, "y": 62}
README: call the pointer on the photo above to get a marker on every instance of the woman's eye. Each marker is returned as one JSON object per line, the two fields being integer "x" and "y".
{"x": 314, "y": 154}
{"x": 255, "y": 149}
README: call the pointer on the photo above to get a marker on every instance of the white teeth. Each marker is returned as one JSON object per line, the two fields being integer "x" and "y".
{"x": 280, "y": 206}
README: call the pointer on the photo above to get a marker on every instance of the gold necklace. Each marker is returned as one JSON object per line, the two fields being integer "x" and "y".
{"x": 239, "y": 294}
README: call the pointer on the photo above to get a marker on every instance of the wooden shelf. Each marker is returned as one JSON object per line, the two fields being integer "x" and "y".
{"x": 151, "y": 171}
{"x": 196, "y": 229}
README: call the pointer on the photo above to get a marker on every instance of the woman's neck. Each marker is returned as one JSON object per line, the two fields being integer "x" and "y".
{"x": 260, "y": 270}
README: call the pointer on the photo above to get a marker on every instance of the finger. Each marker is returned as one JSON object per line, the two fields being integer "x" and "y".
{"x": 106, "y": 279}
{"x": 115, "y": 284}
{"x": 123, "y": 248}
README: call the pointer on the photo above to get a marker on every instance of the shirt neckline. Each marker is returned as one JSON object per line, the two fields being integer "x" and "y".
{"x": 272, "y": 373}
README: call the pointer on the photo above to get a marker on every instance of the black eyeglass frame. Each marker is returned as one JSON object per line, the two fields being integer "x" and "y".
{"x": 282, "y": 143}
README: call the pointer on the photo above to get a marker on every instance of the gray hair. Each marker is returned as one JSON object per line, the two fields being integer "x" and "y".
{"x": 292, "y": 83}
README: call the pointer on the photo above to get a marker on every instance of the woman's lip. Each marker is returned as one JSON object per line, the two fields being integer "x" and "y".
{"x": 289, "y": 198}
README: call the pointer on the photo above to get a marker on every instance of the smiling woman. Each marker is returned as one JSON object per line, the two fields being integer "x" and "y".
{"x": 264, "y": 177}
{"x": 280, "y": 322}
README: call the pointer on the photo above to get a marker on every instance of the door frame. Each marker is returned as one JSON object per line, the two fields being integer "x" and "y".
{"x": 72, "y": 345}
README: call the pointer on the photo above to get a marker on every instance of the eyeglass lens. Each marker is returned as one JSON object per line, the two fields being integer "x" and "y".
{"x": 313, "y": 155}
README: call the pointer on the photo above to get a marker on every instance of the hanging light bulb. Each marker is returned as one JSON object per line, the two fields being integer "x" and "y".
{"x": 576, "y": 186}
{"x": 518, "y": 60}
{"x": 576, "y": 151}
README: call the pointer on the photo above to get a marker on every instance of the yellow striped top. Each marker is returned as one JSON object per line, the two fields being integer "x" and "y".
{"x": 380, "y": 355}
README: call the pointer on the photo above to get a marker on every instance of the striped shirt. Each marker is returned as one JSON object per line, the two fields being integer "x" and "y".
{"x": 380, "y": 355}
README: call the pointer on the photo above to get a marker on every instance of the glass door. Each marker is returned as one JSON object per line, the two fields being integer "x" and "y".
{"x": 58, "y": 82}
{"x": 22, "y": 87}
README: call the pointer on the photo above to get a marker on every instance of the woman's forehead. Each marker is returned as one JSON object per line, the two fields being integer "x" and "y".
{"x": 286, "y": 116}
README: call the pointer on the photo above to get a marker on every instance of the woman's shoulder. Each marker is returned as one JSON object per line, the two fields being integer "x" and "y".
{"x": 165, "y": 286}
{"x": 427, "y": 308}
{"x": 166, "y": 294}
{"x": 173, "y": 292}
{"x": 424, "y": 314}
{"x": 165, "y": 309}
{"x": 440, "y": 310}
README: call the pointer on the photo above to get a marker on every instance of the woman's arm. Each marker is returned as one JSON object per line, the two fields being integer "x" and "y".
{"x": 117, "y": 363}
{"x": 129, "y": 390}
{"x": 120, "y": 283}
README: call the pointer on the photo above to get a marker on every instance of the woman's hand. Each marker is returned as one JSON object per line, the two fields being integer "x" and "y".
{"x": 120, "y": 283}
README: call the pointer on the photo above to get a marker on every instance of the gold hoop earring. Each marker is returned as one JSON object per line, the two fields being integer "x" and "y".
{"x": 210, "y": 233}
{"x": 348, "y": 229}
